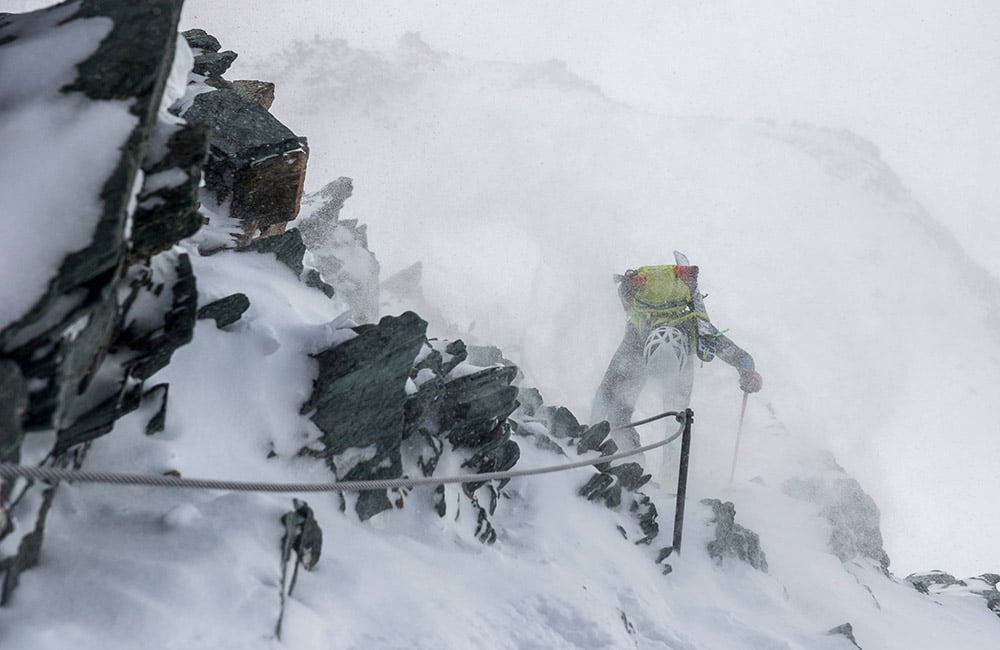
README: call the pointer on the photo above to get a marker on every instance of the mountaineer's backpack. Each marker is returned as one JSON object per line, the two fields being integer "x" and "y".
{"x": 663, "y": 296}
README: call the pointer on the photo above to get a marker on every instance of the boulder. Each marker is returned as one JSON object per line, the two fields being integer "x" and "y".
{"x": 358, "y": 402}
{"x": 254, "y": 161}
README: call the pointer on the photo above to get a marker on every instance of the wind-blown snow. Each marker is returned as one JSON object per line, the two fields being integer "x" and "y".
{"x": 50, "y": 201}
{"x": 813, "y": 255}
{"x": 522, "y": 189}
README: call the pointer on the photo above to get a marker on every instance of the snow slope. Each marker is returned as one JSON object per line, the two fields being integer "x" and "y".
{"x": 200, "y": 569}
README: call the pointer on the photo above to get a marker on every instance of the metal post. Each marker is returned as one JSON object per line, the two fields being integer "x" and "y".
{"x": 682, "y": 479}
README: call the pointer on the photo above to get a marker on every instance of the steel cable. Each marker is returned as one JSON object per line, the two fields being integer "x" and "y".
{"x": 11, "y": 470}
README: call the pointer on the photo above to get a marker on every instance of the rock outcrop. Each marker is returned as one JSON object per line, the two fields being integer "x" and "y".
{"x": 939, "y": 583}
{"x": 854, "y": 518}
{"x": 339, "y": 249}
{"x": 732, "y": 539}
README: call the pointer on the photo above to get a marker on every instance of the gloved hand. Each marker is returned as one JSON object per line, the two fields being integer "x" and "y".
{"x": 750, "y": 380}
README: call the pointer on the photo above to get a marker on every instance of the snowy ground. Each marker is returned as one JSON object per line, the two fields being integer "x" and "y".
{"x": 182, "y": 569}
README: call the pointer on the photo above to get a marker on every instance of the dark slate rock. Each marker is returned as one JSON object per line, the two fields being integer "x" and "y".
{"x": 475, "y": 405}
{"x": 602, "y": 487}
{"x": 498, "y": 456}
{"x": 420, "y": 407}
{"x": 158, "y": 422}
{"x": 530, "y": 400}
{"x": 732, "y": 539}
{"x": 225, "y": 311}
{"x": 85, "y": 289}
{"x": 457, "y": 352}
{"x": 541, "y": 440}
{"x": 202, "y": 40}
{"x": 166, "y": 215}
{"x": 564, "y": 424}
{"x": 432, "y": 361}
{"x": 157, "y": 347}
{"x": 59, "y": 366}
{"x": 644, "y": 510}
{"x": 593, "y": 437}
{"x": 629, "y": 475}
{"x": 101, "y": 419}
{"x": 847, "y": 630}
{"x": 854, "y": 517}
{"x": 358, "y": 400}
{"x": 287, "y": 247}
{"x": 13, "y": 406}
{"x": 214, "y": 64}
{"x": 312, "y": 278}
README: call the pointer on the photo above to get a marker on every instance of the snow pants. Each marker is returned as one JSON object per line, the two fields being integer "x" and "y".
{"x": 623, "y": 383}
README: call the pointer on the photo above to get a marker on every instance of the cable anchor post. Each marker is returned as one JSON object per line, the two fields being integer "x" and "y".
{"x": 682, "y": 477}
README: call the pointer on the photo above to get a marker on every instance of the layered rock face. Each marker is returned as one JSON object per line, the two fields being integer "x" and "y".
{"x": 77, "y": 357}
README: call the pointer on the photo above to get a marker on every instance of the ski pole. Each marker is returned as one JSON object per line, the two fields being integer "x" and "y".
{"x": 739, "y": 431}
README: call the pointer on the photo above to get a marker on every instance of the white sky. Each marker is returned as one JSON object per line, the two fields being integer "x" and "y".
{"x": 918, "y": 78}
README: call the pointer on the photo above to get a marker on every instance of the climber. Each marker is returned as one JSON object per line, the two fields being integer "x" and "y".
{"x": 667, "y": 322}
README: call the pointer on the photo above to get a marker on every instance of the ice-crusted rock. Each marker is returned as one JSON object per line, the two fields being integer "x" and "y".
{"x": 339, "y": 249}
{"x": 732, "y": 539}
{"x": 854, "y": 517}
{"x": 935, "y": 583}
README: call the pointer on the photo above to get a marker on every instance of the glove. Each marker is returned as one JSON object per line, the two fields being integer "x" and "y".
{"x": 750, "y": 380}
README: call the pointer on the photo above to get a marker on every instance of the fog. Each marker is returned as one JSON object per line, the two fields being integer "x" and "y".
{"x": 919, "y": 79}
